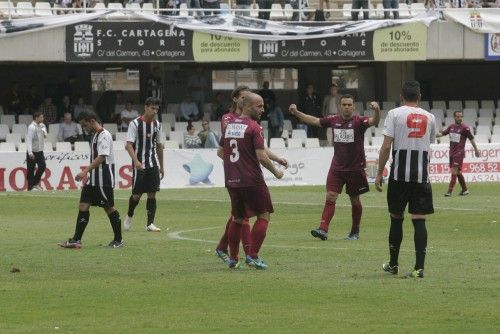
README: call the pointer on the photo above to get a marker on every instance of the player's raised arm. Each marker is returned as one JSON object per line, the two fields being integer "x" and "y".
{"x": 304, "y": 118}
{"x": 267, "y": 163}
{"x": 373, "y": 121}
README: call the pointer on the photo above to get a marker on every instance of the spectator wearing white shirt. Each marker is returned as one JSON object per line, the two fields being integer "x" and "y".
{"x": 189, "y": 109}
{"x": 34, "y": 151}
{"x": 69, "y": 130}
{"x": 127, "y": 115}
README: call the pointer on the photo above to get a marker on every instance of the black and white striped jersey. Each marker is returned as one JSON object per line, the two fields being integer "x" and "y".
{"x": 104, "y": 174}
{"x": 144, "y": 137}
{"x": 413, "y": 130}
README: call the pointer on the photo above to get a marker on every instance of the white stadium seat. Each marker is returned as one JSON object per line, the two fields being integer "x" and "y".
{"x": 177, "y": 136}
{"x": 24, "y": 9}
{"x": 43, "y": 9}
{"x": 25, "y": 119}
{"x": 22, "y": 147}
{"x": 299, "y": 133}
{"x": 277, "y": 143}
{"x": 483, "y": 130}
{"x": 63, "y": 147}
{"x": 481, "y": 139}
{"x": 276, "y": 12}
{"x": 484, "y": 121}
{"x": 13, "y": 138}
{"x": 437, "y": 112}
{"x": 48, "y": 147}
{"x": 21, "y": 129}
{"x": 7, "y": 147}
{"x": 169, "y": 118}
{"x": 486, "y": 112}
{"x": 312, "y": 142}
{"x": 444, "y": 139}
{"x": 496, "y": 129}
{"x": 488, "y": 104}
{"x": 377, "y": 141}
{"x": 439, "y": 104}
{"x": 82, "y": 146}
{"x": 294, "y": 143}
{"x": 495, "y": 138}
{"x": 471, "y": 104}
{"x": 121, "y": 136}
{"x": 181, "y": 126}
{"x": 8, "y": 119}
{"x": 54, "y": 128}
{"x": 4, "y": 130}
{"x": 171, "y": 144}
{"x": 147, "y": 7}
{"x": 425, "y": 105}
{"x": 455, "y": 105}
{"x": 111, "y": 127}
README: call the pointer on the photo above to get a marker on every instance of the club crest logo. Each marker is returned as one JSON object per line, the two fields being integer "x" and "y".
{"x": 268, "y": 49}
{"x": 83, "y": 41}
{"x": 476, "y": 21}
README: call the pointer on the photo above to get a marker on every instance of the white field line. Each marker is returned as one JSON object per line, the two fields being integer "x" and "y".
{"x": 177, "y": 236}
{"x": 24, "y": 194}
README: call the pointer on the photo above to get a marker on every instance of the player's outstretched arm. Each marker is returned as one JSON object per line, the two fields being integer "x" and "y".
{"x": 373, "y": 121}
{"x": 267, "y": 163}
{"x": 304, "y": 118}
{"x": 385, "y": 150}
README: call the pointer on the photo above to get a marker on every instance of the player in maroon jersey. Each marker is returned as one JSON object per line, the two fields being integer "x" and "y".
{"x": 243, "y": 152}
{"x": 221, "y": 249}
{"x": 459, "y": 132}
{"x": 348, "y": 163}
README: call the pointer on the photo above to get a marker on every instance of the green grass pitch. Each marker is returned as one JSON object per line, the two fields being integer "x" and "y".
{"x": 171, "y": 282}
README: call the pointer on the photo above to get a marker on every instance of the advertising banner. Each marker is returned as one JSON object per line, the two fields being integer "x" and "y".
{"x": 216, "y": 48}
{"x": 134, "y": 41}
{"x": 492, "y": 46}
{"x": 403, "y": 43}
{"x": 202, "y": 167}
{"x": 353, "y": 47}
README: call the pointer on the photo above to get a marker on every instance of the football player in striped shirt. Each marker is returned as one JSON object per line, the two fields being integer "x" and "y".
{"x": 98, "y": 189}
{"x": 145, "y": 147}
{"x": 409, "y": 130}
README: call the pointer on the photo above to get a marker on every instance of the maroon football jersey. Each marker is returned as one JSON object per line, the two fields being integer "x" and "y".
{"x": 242, "y": 136}
{"x": 458, "y": 136}
{"x": 224, "y": 121}
{"x": 348, "y": 141}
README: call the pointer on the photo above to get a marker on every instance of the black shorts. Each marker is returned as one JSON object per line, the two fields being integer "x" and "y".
{"x": 146, "y": 180}
{"x": 98, "y": 196}
{"x": 418, "y": 196}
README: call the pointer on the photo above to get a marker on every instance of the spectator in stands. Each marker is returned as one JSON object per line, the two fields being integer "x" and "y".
{"x": 209, "y": 139}
{"x": 245, "y": 5}
{"x": 79, "y": 107}
{"x": 306, "y": 14}
{"x": 168, "y": 4}
{"x": 191, "y": 140}
{"x": 105, "y": 106}
{"x": 49, "y": 111}
{"x": 266, "y": 5}
{"x": 219, "y": 107}
{"x": 13, "y": 101}
{"x": 276, "y": 120}
{"x": 127, "y": 115}
{"x": 331, "y": 102}
{"x": 266, "y": 93}
{"x": 69, "y": 130}
{"x": 388, "y": 4}
{"x": 189, "y": 109}
{"x": 32, "y": 100}
{"x": 194, "y": 4}
{"x": 358, "y": 4}
{"x": 65, "y": 107}
{"x": 310, "y": 104}
{"x": 211, "y": 4}
{"x": 197, "y": 85}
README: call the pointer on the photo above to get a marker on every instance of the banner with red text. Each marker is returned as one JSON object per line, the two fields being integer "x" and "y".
{"x": 202, "y": 167}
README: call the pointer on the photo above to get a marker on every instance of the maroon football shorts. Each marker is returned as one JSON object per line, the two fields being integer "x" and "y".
{"x": 355, "y": 181}
{"x": 248, "y": 202}
{"x": 456, "y": 161}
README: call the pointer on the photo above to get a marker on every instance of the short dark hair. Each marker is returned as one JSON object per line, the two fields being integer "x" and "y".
{"x": 347, "y": 96}
{"x": 190, "y": 126}
{"x": 152, "y": 101}
{"x": 456, "y": 112}
{"x": 411, "y": 91}
{"x": 37, "y": 114}
{"x": 87, "y": 115}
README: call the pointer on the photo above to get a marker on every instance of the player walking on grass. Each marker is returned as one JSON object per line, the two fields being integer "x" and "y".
{"x": 459, "y": 132}
{"x": 409, "y": 130}
{"x": 348, "y": 163}
{"x": 243, "y": 152}
{"x": 145, "y": 147}
{"x": 222, "y": 248}
{"x": 98, "y": 190}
